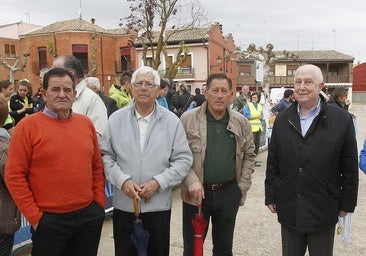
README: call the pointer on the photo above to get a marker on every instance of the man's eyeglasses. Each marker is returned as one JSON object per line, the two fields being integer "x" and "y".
{"x": 141, "y": 83}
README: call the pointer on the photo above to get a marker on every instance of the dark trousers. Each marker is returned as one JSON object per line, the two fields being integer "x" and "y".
{"x": 256, "y": 139}
{"x": 69, "y": 234}
{"x": 221, "y": 207}
{"x": 318, "y": 244}
{"x": 6, "y": 244}
{"x": 156, "y": 223}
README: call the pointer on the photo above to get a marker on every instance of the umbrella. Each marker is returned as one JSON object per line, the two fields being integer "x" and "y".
{"x": 199, "y": 226}
{"x": 139, "y": 236}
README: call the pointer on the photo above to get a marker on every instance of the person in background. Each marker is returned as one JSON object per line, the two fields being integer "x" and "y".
{"x": 362, "y": 163}
{"x": 185, "y": 99}
{"x": 253, "y": 111}
{"x": 93, "y": 83}
{"x": 38, "y": 102}
{"x": 312, "y": 168}
{"x": 144, "y": 163}
{"x": 198, "y": 99}
{"x": 122, "y": 94}
{"x": 284, "y": 103}
{"x": 223, "y": 162}
{"x": 54, "y": 173}
{"x": 172, "y": 97}
{"x": 21, "y": 104}
{"x": 241, "y": 100}
{"x": 340, "y": 99}
{"x": 86, "y": 102}
{"x": 6, "y": 90}
{"x": 163, "y": 90}
{"x": 9, "y": 214}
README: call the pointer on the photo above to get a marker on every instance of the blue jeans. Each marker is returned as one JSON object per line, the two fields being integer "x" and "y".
{"x": 221, "y": 207}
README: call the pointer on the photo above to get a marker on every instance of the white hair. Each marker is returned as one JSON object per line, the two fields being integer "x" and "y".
{"x": 93, "y": 82}
{"x": 146, "y": 70}
{"x": 318, "y": 75}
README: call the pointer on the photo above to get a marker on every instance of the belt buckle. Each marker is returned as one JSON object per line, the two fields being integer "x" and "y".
{"x": 215, "y": 187}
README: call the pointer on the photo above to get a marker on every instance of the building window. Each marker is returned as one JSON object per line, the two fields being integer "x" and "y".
{"x": 245, "y": 70}
{"x": 186, "y": 67}
{"x": 42, "y": 57}
{"x": 291, "y": 70}
{"x": 125, "y": 58}
{"x": 333, "y": 71}
{"x": 149, "y": 61}
{"x": 10, "y": 51}
{"x": 80, "y": 51}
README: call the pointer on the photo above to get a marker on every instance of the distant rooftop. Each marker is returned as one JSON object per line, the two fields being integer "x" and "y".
{"x": 75, "y": 25}
{"x": 321, "y": 55}
{"x": 14, "y": 30}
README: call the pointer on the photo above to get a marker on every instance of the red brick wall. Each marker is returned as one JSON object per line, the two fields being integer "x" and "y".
{"x": 359, "y": 78}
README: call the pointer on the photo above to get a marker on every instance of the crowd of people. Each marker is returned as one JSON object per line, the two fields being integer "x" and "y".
{"x": 59, "y": 147}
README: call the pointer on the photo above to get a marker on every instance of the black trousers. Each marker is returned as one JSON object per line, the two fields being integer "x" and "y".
{"x": 6, "y": 244}
{"x": 256, "y": 138}
{"x": 69, "y": 234}
{"x": 318, "y": 244}
{"x": 221, "y": 207}
{"x": 156, "y": 223}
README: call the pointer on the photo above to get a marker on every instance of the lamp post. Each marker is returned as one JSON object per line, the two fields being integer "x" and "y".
{"x": 218, "y": 63}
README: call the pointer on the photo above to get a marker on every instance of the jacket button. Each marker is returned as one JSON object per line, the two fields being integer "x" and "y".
{"x": 300, "y": 170}
{"x": 298, "y": 195}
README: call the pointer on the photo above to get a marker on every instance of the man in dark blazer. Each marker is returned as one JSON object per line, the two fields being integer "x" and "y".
{"x": 312, "y": 172}
{"x": 94, "y": 84}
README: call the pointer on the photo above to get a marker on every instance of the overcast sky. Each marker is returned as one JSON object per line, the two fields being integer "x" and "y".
{"x": 287, "y": 24}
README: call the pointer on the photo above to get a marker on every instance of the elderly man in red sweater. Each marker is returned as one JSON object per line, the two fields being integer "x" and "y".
{"x": 54, "y": 172}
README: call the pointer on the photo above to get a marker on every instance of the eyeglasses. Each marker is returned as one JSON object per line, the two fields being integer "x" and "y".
{"x": 141, "y": 83}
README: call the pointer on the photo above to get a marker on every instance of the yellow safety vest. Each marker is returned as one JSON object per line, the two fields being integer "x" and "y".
{"x": 256, "y": 123}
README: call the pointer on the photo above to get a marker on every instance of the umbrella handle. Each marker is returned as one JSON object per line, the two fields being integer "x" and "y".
{"x": 136, "y": 207}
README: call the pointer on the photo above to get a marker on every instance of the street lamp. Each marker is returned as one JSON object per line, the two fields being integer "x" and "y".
{"x": 218, "y": 61}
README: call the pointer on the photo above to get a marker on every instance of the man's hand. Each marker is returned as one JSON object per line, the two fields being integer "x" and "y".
{"x": 148, "y": 189}
{"x": 131, "y": 189}
{"x": 196, "y": 190}
{"x": 272, "y": 208}
{"x": 342, "y": 214}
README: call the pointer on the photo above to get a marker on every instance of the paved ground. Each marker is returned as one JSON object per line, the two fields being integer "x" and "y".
{"x": 257, "y": 231}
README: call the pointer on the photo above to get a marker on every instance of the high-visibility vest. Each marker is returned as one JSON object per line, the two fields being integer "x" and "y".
{"x": 256, "y": 123}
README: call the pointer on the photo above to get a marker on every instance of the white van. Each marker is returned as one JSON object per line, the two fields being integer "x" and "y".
{"x": 276, "y": 94}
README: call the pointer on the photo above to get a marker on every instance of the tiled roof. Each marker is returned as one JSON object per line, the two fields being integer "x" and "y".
{"x": 320, "y": 55}
{"x": 69, "y": 25}
{"x": 189, "y": 35}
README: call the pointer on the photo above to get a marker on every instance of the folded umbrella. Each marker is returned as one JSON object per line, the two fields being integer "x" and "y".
{"x": 199, "y": 226}
{"x": 139, "y": 236}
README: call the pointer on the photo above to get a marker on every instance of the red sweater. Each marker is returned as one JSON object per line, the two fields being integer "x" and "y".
{"x": 54, "y": 165}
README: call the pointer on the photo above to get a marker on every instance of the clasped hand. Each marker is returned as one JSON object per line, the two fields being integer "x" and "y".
{"x": 145, "y": 190}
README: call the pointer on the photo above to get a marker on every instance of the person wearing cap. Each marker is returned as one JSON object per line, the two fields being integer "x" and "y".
{"x": 93, "y": 83}
{"x": 145, "y": 153}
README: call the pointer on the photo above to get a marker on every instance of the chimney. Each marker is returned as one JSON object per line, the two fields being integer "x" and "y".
{"x": 92, "y": 20}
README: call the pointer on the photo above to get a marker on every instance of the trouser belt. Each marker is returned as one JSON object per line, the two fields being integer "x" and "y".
{"x": 219, "y": 186}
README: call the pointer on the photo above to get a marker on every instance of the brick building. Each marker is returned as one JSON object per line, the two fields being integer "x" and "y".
{"x": 209, "y": 52}
{"x": 112, "y": 51}
{"x": 359, "y": 83}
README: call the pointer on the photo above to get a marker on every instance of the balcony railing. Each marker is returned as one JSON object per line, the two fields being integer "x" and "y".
{"x": 183, "y": 72}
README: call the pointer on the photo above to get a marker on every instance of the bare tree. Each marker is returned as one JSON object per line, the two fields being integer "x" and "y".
{"x": 146, "y": 15}
{"x": 17, "y": 66}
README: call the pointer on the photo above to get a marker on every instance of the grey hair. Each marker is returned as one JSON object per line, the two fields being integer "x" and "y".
{"x": 146, "y": 70}
{"x": 93, "y": 81}
{"x": 316, "y": 71}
